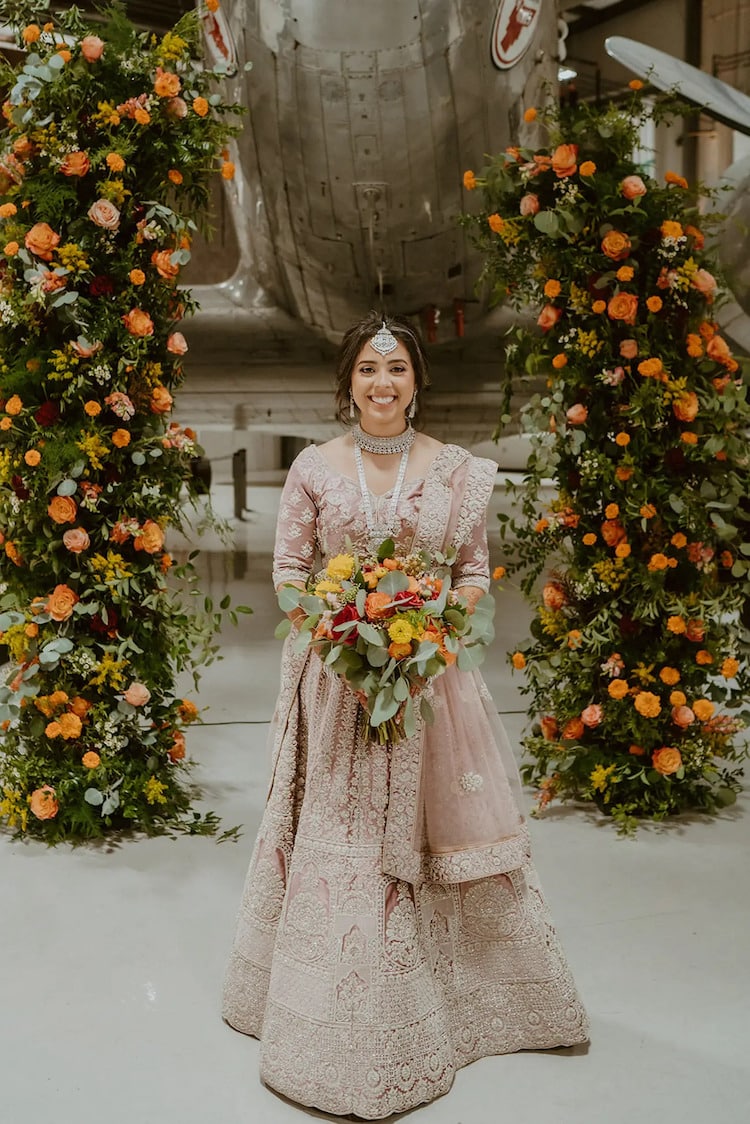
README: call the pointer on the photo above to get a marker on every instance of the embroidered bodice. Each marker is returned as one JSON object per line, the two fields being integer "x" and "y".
{"x": 320, "y": 507}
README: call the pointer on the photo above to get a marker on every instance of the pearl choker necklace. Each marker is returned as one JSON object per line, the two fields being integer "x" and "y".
{"x": 401, "y": 443}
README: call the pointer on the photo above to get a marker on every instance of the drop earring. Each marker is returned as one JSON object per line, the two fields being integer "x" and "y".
{"x": 413, "y": 408}
{"x": 352, "y": 414}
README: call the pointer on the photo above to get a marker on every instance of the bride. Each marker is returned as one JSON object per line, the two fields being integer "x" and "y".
{"x": 392, "y": 927}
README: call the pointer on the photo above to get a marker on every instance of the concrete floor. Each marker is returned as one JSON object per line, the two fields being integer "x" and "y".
{"x": 111, "y": 957}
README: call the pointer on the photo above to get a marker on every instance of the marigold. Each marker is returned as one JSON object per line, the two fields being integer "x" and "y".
{"x": 552, "y": 288}
{"x": 10, "y": 249}
{"x": 166, "y": 84}
{"x": 730, "y": 667}
{"x": 598, "y": 306}
{"x": 675, "y": 180}
{"x": 518, "y": 659}
{"x": 31, "y": 33}
{"x": 623, "y": 473}
{"x": 669, "y": 675}
{"x": 120, "y": 438}
{"x": 14, "y": 405}
{"x": 175, "y": 176}
{"x": 7, "y": 210}
{"x": 495, "y": 223}
{"x": 91, "y": 760}
{"x": 617, "y": 689}
{"x": 703, "y": 709}
{"x": 137, "y": 276}
{"x": 622, "y": 439}
{"x": 587, "y": 168}
{"x": 93, "y": 409}
{"x": 703, "y": 657}
{"x": 612, "y": 510}
{"x": 654, "y": 304}
{"x": 635, "y": 84}
{"x": 530, "y": 114}
{"x": 200, "y": 106}
{"x": 677, "y": 698}
{"x": 688, "y": 437}
{"x": 115, "y": 162}
{"x": 589, "y": 539}
{"x": 32, "y": 457}
{"x": 470, "y": 180}
{"x": 575, "y": 638}
{"x": 676, "y": 625}
{"x": 647, "y": 704}
{"x": 399, "y": 651}
{"x": 694, "y": 346}
{"x": 227, "y": 170}
{"x": 559, "y": 361}
{"x": 648, "y": 511}
{"x": 658, "y": 561}
{"x": 651, "y": 368}
{"x": 623, "y": 549}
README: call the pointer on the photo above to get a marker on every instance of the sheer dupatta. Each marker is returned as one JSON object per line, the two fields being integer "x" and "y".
{"x": 453, "y": 813}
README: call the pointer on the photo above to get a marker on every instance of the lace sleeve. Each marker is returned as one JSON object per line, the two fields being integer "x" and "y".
{"x": 296, "y": 539}
{"x": 472, "y": 565}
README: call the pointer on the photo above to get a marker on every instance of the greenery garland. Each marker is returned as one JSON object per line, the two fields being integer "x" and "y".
{"x": 637, "y": 664}
{"x": 111, "y": 137}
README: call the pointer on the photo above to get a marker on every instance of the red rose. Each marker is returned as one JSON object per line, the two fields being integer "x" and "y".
{"x": 47, "y": 414}
{"x": 101, "y": 287}
{"x": 408, "y": 600}
{"x": 348, "y": 613}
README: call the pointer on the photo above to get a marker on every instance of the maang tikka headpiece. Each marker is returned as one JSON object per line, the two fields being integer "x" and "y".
{"x": 384, "y": 341}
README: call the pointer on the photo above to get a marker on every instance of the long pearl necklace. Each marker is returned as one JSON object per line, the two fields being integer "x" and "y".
{"x": 379, "y": 532}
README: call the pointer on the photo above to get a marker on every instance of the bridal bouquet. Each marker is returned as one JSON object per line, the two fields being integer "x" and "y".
{"x": 389, "y": 624}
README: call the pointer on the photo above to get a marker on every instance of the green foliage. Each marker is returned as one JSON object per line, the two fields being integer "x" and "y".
{"x": 104, "y": 171}
{"x": 637, "y": 663}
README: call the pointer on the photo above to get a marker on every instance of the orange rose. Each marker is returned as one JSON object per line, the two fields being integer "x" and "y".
{"x": 635, "y": 84}
{"x": 75, "y": 164}
{"x": 572, "y": 729}
{"x": 188, "y": 711}
{"x": 636, "y": 750}
{"x": 76, "y": 540}
{"x": 613, "y": 532}
{"x": 685, "y": 408}
{"x": 151, "y": 539}
{"x": 717, "y": 348}
{"x": 616, "y": 245}
{"x": 704, "y": 282}
{"x": 529, "y": 205}
{"x": 200, "y": 106}
{"x": 41, "y": 240}
{"x": 92, "y": 48}
{"x": 120, "y": 438}
{"x": 378, "y": 606}
{"x": 666, "y": 760}
{"x": 565, "y": 160}
{"x": 176, "y": 751}
{"x": 550, "y": 728}
{"x": 91, "y": 760}
{"x": 623, "y": 306}
{"x": 43, "y": 804}
{"x": 647, "y": 704}
{"x": 628, "y": 349}
{"x": 62, "y": 509}
{"x": 577, "y": 414}
{"x": 161, "y": 400}
{"x": 176, "y": 343}
{"x": 548, "y": 317}
{"x": 632, "y": 186}
{"x": 60, "y": 602}
{"x": 138, "y": 323}
{"x": 166, "y": 84}
{"x": 164, "y": 266}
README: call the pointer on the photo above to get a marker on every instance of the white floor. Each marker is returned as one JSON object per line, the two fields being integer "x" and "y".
{"x": 111, "y": 957}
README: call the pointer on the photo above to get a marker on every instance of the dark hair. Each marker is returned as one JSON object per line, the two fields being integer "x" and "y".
{"x": 355, "y": 339}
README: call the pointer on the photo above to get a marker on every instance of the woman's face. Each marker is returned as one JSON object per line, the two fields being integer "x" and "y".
{"x": 383, "y": 388}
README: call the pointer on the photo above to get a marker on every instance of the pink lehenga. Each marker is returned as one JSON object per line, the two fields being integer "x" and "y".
{"x": 392, "y": 927}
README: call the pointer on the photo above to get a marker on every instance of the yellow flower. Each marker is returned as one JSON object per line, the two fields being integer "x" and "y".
{"x": 154, "y": 791}
{"x": 341, "y": 567}
{"x": 401, "y": 631}
{"x": 600, "y": 777}
{"x": 325, "y": 586}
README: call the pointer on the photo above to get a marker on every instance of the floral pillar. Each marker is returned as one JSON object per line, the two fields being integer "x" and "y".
{"x": 109, "y": 142}
{"x": 637, "y": 664}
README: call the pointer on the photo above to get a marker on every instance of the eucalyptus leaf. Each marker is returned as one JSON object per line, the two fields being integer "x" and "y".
{"x": 137, "y": 458}
{"x": 410, "y": 718}
{"x": 288, "y": 598}
{"x": 401, "y": 690}
{"x": 386, "y": 550}
{"x": 377, "y": 656}
{"x": 548, "y": 223}
{"x": 311, "y": 604}
{"x": 93, "y": 796}
{"x": 428, "y": 714}
{"x": 393, "y": 582}
{"x": 283, "y": 628}
{"x": 385, "y": 707}
{"x": 67, "y": 487}
{"x": 470, "y": 657}
{"x": 372, "y": 635}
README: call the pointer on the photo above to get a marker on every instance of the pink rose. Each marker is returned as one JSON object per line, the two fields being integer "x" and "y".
{"x": 704, "y": 282}
{"x": 177, "y": 107}
{"x": 548, "y": 317}
{"x": 633, "y": 186}
{"x": 76, "y": 540}
{"x": 592, "y": 715}
{"x": 92, "y": 48}
{"x": 628, "y": 349}
{"x": 137, "y": 694}
{"x": 84, "y": 349}
{"x": 529, "y": 205}
{"x": 104, "y": 214}
{"x": 577, "y": 414}
{"x": 177, "y": 344}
